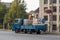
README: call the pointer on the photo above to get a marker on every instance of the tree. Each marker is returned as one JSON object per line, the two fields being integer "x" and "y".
{"x": 21, "y": 11}
{"x": 15, "y": 11}
{"x": 11, "y": 14}
{"x": 3, "y": 11}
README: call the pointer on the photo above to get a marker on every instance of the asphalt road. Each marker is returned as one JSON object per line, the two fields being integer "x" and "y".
{"x": 9, "y": 35}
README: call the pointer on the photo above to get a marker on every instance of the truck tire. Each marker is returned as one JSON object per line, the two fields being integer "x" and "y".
{"x": 25, "y": 31}
{"x": 38, "y": 32}
{"x": 22, "y": 30}
{"x": 17, "y": 30}
{"x": 30, "y": 32}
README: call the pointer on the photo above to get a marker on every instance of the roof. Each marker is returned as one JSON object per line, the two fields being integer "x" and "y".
{"x": 37, "y": 10}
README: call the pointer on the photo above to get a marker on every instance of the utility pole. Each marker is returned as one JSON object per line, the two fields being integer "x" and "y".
{"x": 50, "y": 12}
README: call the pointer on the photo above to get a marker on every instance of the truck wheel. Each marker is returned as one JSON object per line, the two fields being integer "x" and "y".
{"x": 16, "y": 31}
{"x": 22, "y": 30}
{"x": 38, "y": 32}
{"x": 30, "y": 31}
{"x": 25, "y": 31}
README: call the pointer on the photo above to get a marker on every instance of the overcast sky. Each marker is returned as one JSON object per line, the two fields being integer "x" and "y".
{"x": 31, "y": 4}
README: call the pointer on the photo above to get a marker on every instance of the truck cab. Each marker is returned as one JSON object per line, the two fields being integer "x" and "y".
{"x": 17, "y": 23}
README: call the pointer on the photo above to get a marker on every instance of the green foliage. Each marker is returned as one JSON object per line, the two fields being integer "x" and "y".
{"x": 11, "y": 12}
{"x": 21, "y": 11}
{"x": 15, "y": 11}
{"x": 3, "y": 10}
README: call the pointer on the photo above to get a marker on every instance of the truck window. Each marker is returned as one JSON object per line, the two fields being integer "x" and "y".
{"x": 15, "y": 21}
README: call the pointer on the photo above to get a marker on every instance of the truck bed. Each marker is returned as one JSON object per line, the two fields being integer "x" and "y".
{"x": 39, "y": 27}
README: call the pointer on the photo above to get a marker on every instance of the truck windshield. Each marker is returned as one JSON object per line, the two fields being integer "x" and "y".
{"x": 15, "y": 21}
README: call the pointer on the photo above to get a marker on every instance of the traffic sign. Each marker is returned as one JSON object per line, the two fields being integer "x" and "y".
{"x": 48, "y": 11}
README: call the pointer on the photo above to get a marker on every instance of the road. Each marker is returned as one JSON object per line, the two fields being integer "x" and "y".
{"x": 9, "y": 35}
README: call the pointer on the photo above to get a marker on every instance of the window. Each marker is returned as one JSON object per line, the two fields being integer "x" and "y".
{"x": 59, "y": 1}
{"x": 15, "y": 21}
{"x": 59, "y": 17}
{"x": 54, "y": 17}
{"x": 59, "y": 8}
{"x": 19, "y": 1}
{"x": 53, "y": 1}
{"x": 46, "y": 17}
{"x": 54, "y": 8}
{"x": 45, "y": 1}
{"x": 45, "y": 8}
{"x": 59, "y": 27}
{"x": 54, "y": 27}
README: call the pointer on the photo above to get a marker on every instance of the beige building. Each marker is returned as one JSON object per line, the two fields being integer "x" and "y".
{"x": 47, "y": 4}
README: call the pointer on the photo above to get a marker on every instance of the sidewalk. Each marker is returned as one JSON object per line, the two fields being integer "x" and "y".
{"x": 5, "y": 30}
{"x": 53, "y": 33}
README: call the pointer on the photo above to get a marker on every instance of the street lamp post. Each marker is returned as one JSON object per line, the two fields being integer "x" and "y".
{"x": 49, "y": 11}
{"x": 51, "y": 22}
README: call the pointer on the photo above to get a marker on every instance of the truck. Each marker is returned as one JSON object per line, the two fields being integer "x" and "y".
{"x": 18, "y": 26}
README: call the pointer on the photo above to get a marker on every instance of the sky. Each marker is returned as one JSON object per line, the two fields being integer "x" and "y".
{"x": 31, "y": 4}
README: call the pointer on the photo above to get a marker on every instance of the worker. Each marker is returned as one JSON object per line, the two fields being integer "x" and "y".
{"x": 30, "y": 16}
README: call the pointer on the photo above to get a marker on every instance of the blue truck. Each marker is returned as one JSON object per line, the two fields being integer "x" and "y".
{"x": 18, "y": 26}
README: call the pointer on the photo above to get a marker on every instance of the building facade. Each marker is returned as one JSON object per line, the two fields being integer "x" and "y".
{"x": 51, "y": 4}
